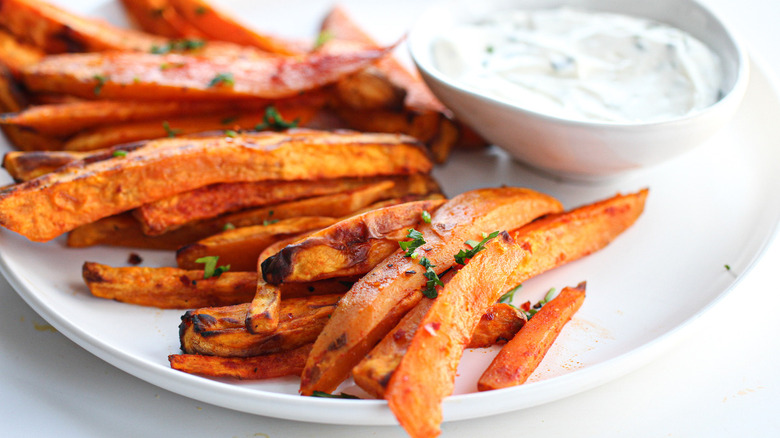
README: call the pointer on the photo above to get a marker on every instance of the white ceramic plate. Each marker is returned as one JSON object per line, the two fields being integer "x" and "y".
{"x": 716, "y": 206}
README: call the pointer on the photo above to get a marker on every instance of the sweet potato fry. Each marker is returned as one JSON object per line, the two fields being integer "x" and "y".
{"x": 362, "y": 318}
{"x": 222, "y": 331}
{"x": 145, "y": 76}
{"x": 24, "y": 166}
{"x": 285, "y": 363}
{"x": 168, "y": 288}
{"x": 48, "y": 206}
{"x": 16, "y": 55}
{"x": 414, "y": 394}
{"x": 12, "y": 98}
{"x": 124, "y": 230}
{"x": 350, "y": 247}
{"x": 211, "y": 201}
{"x": 158, "y": 17}
{"x": 262, "y": 317}
{"x": 112, "y": 135}
{"x": 241, "y": 247}
{"x": 66, "y": 119}
{"x": 518, "y": 359}
{"x": 217, "y": 25}
{"x": 498, "y": 325}
{"x": 56, "y": 30}
{"x": 564, "y": 237}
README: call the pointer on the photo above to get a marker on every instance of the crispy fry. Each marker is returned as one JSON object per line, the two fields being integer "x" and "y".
{"x": 55, "y": 30}
{"x": 112, "y": 135}
{"x": 124, "y": 230}
{"x": 285, "y": 363}
{"x": 12, "y": 98}
{"x": 414, "y": 394}
{"x": 145, "y": 76}
{"x": 364, "y": 316}
{"x": 48, "y": 206}
{"x": 369, "y": 89}
{"x": 217, "y": 25}
{"x": 350, "y": 247}
{"x": 24, "y": 166}
{"x": 499, "y": 324}
{"x": 564, "y": 237}
{"x": 222, "y": 331}
{"x": 15, "y": 55}
{"x": 262, "y": 317}
{"x": 241, "y": 247}
{"x": 158, "y": 17}
{"x": 66, "y": 119}
{"x": 518, "y": 359}
{"x": 172, "y": 288}
{"x": 168, "y": 288}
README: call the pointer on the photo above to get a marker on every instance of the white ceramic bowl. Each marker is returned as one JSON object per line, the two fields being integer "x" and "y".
{"x": 577, "y": 149}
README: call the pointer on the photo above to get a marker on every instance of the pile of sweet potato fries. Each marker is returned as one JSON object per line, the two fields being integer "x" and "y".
{"x": 321, "y": 253}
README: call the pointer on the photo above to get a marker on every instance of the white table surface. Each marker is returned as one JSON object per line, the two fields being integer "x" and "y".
{"x": 721, "y": 380}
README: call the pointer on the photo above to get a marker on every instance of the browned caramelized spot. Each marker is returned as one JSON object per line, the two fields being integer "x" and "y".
{"x": 399, "y": 335}
{"x": 71, "y": 40}
{"x": 90, "y": 275}
{"x": 340, "y": 342}
{"x": 185, "y": 280}
{"x": 134, "y": 259}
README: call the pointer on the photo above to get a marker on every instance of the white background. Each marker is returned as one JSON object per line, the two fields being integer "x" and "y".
{"x": 722, "y": 380}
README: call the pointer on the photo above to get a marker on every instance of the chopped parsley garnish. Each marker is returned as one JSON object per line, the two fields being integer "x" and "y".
{"x": 101, "y": 80}
{"x": 228, "y": 226}
{"x": 269, "y": 221}
{"x": 426, "y": 216}
{"x": 273, "y": 121}
{"x": 210, "y": 268}
{"x": 323, "y": 38}
{"x": 531, "y": 311}
{"x": 119, "y": 153}
{"x": 200, "y": 10}
{"x": 167, "y": 66}
{"x": 509, "y": 296}
{"x": 222, "y": 79}
{"x": 433, "y": 278}
{"x": 170, "y": 131}
{"x": 230, "y": 133}
{"x": 411, "y": 245}
{"x": 327, "y": 395}
{"x": 462, "y": 255}
{"x": 184, "y": 45}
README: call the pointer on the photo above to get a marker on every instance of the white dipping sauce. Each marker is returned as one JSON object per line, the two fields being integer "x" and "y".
{"x": 583, "y": 65}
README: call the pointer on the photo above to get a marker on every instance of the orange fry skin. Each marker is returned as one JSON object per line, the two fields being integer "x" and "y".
{"x": 518, "y": 359}
{"x": 139, "y": 76}
{"x": 262, "y": 318}
{"x": 414, "y": 393}
{"x": 281, "y": 364}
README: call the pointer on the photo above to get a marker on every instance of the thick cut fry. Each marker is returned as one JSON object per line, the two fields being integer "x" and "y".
{"x": 158, "y": 17}
{"x": 48, "y": 206}
{"x": 415, "y": 394}
{"x": 112, "y": 135}
{"x": 498, "y": 325}
{"x": 211, "y": 201}
{"x": 66, "y": 119}
{"x": 518, "y": 359}
{"x": 364, "y": 316}
{"x": 13, "y": 98}
{"x": 168, "y": 288}
{"x": 56, "y": 31}
{"x": 241, "y": 247}
{"x": 124, "y": 230}
{"x": 285, "y": 363}
{"x": 350, "y": 247}
{"x": 172, "y": 288}
{"x": 262, "y": 318}
{"x": 15, "y": 55}
{"x": 217, "y": 25}
{"x": 564, "y": 237}
{"x": 222, "y": 331}
{"x": 139, "y": 76}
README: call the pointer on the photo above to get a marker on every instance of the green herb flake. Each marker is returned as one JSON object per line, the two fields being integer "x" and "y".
{"x": 327, "y": 395}
{"x": 490, "y": 49}
{"x": 222, "y": 79}
{"x": 508, "y": 297}
{"x": 268, "y": 222}
{"x": 200, "y": 10}
{"x": 323, "y": 38}
{"x": 426, "y": 216}
{"x": 230, "y": 133}
{"x": 462, "y": 255}
{"x": 210, "y": 268}
{"x": 430, "y": 285}
{"x": 101, "y": 80}
{"x": 274, "y": 121}
{"x": 228, "y": 226}
{"x": 183, "y": 45}
{"x": 119, "y": 154}
{"x": 170, "y": 131}
{"x": 411, "y": 245}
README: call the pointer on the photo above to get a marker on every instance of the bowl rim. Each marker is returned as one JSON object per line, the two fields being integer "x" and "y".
{"x": 731, "y": 97}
